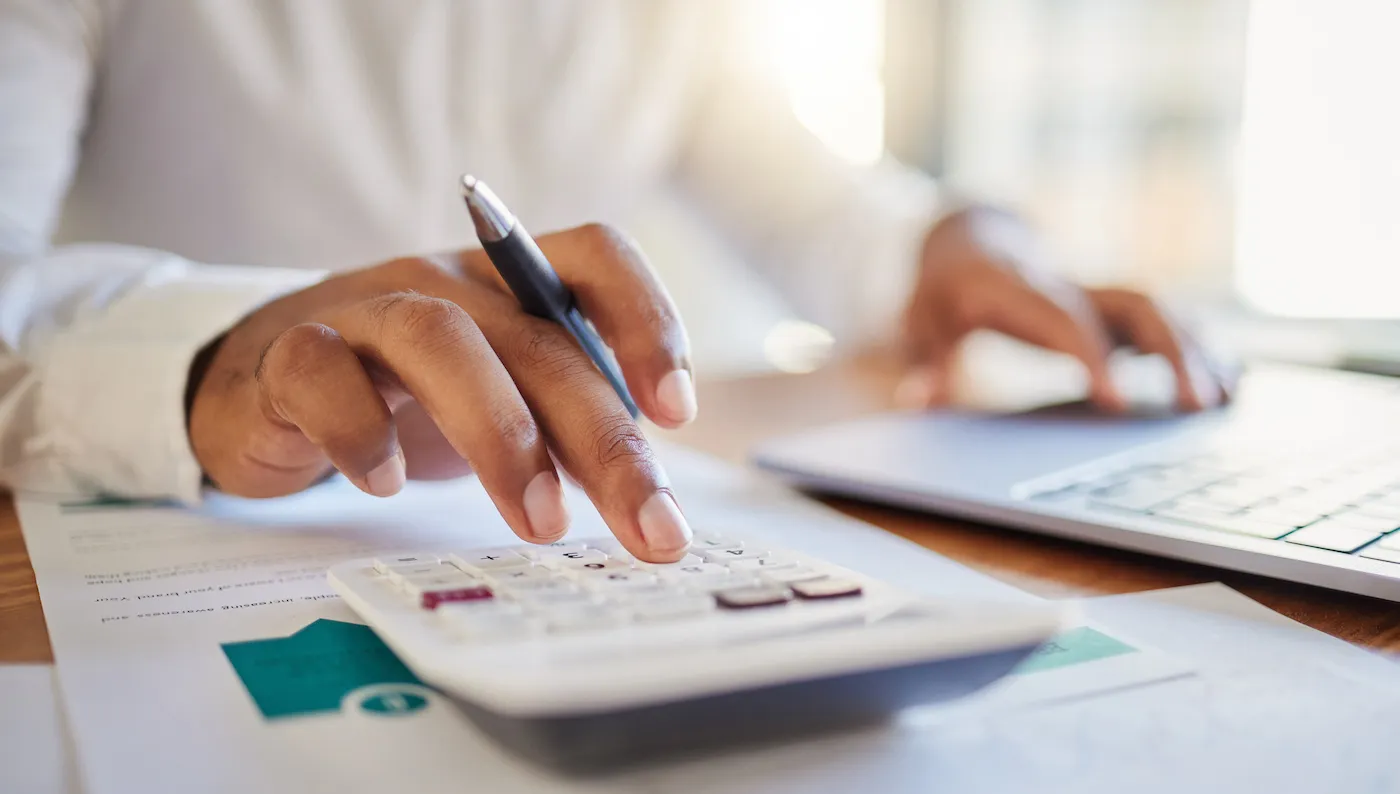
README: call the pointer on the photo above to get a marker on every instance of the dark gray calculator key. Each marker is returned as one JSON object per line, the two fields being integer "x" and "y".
{"x": 750, "y": 597}
{"x": 826, "y": 587}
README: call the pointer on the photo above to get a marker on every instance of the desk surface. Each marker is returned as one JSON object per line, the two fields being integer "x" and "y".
{"x": 735, "y": 414}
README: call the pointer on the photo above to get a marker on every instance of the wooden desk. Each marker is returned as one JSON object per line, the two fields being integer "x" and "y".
{"x": 735, "y": 414}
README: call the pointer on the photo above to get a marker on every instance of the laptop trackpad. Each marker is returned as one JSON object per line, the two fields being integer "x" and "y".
{"x": 967, "y": 454}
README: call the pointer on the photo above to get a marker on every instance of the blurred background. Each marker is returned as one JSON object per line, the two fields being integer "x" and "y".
{"x": 1236, "y": 157}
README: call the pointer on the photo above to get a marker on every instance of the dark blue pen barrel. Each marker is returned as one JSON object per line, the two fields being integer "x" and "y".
{"x": 529, "y": 275}
{"x": 532, "y": 279}
{"x": 602, "y": 357}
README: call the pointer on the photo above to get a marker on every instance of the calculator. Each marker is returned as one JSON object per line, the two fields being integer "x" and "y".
{"x": 576, "y": 654}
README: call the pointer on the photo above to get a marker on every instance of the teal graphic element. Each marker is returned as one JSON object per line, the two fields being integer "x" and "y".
{"x": 394, "y": 703}
{"x": 1075, "y": 646}
{"x": 314, "y": 669}
{"x": 109, "y": 502}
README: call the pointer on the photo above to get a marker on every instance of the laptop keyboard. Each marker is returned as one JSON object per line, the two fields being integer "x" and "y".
{"x": 1342, "y": 501}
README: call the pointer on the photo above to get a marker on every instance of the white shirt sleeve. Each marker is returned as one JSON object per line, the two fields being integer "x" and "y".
{"x": 95, "y": 340}
{"x": 840, "y": 240}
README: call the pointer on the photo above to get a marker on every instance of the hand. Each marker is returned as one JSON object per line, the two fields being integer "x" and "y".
{"x": 319, "y": 380}
{"x": 981, "y": 269}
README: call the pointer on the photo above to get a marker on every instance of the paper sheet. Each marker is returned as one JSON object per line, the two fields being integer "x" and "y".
{"x": 145, "y": 602}
{"x": 35, "y": 754}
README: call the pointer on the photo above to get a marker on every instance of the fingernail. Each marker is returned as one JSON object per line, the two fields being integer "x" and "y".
{"x": 388, "y": 477}
{"x": 544, "y": 506}
{"x": 1110, "y": 399}
{"x": 663, "y": 527}
{"x": 676, "y": 396}
{"x": 915, "y": 390}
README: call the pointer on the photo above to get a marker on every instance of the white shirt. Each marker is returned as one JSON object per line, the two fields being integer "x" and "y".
{"x": 166, "y": 167}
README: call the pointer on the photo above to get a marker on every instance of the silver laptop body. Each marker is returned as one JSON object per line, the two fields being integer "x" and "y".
{"x": 1298, "y": 479}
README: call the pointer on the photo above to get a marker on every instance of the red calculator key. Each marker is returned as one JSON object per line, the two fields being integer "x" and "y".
{"x": 431, "y": 598}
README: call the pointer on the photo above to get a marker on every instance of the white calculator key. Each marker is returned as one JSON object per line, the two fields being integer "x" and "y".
{"x": 549, "y": 597}
{"x": 610, "y": 547}
{"x": 416, "y": 586}
{"x": 507, "y": 576}
{"x": 548, "y": 549}
{"x": 485, "y": 559}
{"x": 732, "y": 555}
{"x": 549, "y": 584}
{"x": 471, "y": 611}
{"x": 762, "y": 564}
{"x": 496, "y": 629}
{"x": 600, "y": 567}
{"x": 622, "y": 579}
{"x": 398, "y": 573}
{"x": 672, "y": 608}
{"x": 581, "y": 618}
{"x": 485, "y": 623}
{"x": 689, "y": 559}
{"x": 789, "y": 575}
{"x": 630, "y": 596}
{"x": 382, "y": 564}
{"x": 706, "y": 542}
{"x": 729, "y": 581}
{"x": 571, "y": 558}
{"x": 685, "y": 573}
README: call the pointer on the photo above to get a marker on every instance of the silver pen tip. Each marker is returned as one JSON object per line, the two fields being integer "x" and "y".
{"x": 490, "y": 217}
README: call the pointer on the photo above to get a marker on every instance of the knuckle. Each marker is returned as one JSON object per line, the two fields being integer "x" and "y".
{"x": 432, "y": 316}
{"x": 410, "y": 270}
{"x": 969, "y": 312}
{"x": 617, "y": 443}
{"x": 428, "y": 323}
{"x": 380, "y": 310}
{"x": 299, "y": 351}
{"x": 515, "y": 427}
{"x": 1140, "y": 302}
{"x": 604, "y": 236}
{"x": 547, "y": 353}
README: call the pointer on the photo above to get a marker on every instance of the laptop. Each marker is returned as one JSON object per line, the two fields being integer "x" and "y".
{"x": 1298, "y": 479}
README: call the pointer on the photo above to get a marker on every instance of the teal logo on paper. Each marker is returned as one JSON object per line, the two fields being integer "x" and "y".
{"x": 110, "y": 502}
{"x": 1075, "y": 646}
{"x": 321, "y": 667}
{"x": 394, "y": 701}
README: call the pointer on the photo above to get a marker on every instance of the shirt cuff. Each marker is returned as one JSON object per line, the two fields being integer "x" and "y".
{"x": 113, "y": 383}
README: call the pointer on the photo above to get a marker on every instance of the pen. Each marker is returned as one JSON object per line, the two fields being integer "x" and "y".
{"x": 533, "y": 280}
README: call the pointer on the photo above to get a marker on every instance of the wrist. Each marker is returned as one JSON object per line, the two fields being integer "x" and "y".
{"x": 199, "y": 367}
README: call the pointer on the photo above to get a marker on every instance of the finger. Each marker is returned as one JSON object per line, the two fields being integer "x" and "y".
{"x": 437, "y": 352}
{"x": 620, "y": 293}
{"x": 1224, "y": 372}
{"x": 931, "y": 346}
{"x": 311, "y": 380}
{"x": 594, "y": 439}
{"x": 1145, "y": 325}
{"x": 1016, "y": 309}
